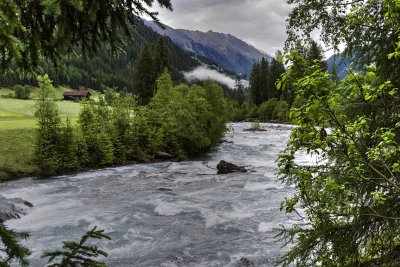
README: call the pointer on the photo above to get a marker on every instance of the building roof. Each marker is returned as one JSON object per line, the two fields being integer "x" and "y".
{"x": 77, "y": 93}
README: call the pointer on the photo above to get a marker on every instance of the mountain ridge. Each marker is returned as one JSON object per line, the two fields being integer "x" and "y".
{"x": 225, "y": 50}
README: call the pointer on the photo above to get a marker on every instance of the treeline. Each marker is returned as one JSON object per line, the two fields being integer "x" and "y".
{"x": 179, "y": 120}
{"x": 104, "y": 70}
{"x": 262, "y": 80}
{"x": 263, "y": 100}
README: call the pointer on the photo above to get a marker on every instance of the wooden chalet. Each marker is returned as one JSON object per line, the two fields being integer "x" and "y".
{"x": 76, "y": 95}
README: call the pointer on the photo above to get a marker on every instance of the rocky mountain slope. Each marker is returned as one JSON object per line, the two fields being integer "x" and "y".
{"x": 225, "y": 50}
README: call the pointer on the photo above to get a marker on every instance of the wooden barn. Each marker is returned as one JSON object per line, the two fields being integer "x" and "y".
{"x": 76, "y": 95}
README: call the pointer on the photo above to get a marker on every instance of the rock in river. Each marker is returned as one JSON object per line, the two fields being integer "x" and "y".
{"x": 12, "y": 208}
{"x": 227, "y": 167}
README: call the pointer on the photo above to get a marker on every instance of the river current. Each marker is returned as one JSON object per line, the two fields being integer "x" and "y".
{"x": 203, "y": 219}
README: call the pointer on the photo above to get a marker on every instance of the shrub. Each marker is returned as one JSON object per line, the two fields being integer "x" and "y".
{"x": 22, "y": 92}
{"x": 273, "y": 110}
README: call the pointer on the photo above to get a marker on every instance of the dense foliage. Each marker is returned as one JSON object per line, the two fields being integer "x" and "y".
{"x": 22, "y": 92}
{"x": 368, "y": 29}
{"x": 180, "y": 120}
{"x": 262, "y": 100}
{"x": 348, "y": 192}
{"x": 30, "y": 29}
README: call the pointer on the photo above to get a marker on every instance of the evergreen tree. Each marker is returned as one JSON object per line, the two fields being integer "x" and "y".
{"x": 239, "y": 91}
{"x": 30, "y": 29}
{"x": 255, "y": 84}
{"x": 13, "y": 250}
{"x": 161, "y": 57}
{"x": 144, "y": 75}
{"x": 314, "y": 52}
{"x": 48, "y": 136}
{"x": 265, "y": 91}
{"x": 98, "y": 141}
{"x": 68, "y": 147}
{"x": 79, "y": 254}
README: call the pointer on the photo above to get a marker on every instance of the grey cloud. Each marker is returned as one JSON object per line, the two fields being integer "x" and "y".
{"x": 258, "y": 22}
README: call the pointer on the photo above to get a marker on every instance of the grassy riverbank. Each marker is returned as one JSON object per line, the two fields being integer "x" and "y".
{"x": 17, "y": 131}
{"x": 181, "y": 120}
{"x": 16, "y": 153}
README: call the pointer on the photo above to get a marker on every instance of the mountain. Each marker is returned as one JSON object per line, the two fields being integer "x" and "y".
{"x": 342, "y": 63}
{"x": 225, "y": 50}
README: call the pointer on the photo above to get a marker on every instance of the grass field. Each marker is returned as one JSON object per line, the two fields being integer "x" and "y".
{"x": 17, "y": 131}
{"x": 16, "y": 153}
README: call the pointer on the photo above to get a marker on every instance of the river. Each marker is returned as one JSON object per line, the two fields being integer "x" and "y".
{"x": 205, "y": 220}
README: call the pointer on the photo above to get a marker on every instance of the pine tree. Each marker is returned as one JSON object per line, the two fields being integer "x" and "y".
{"x": 97, "y": 140}
{"x": 144, "y": 75}
{"x": 31, "y": 29}
{"x": 255, "y": 84}
{"x": 79, "y": 254}
{"x": 68, "y": 147}
{"x": 314, "y": 52}
{"x": 48, "y": 137}
{"x": 161, "y": 57}
{"x": 266, "y": 92}
{"x": 13, "y": 250}
{"x": 239, "y": 91}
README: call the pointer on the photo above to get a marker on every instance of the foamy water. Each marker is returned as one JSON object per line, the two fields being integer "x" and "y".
{"x": 206, "y": 220}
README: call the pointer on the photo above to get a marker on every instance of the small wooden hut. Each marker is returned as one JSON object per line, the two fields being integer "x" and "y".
{"x": 76, "y": 95}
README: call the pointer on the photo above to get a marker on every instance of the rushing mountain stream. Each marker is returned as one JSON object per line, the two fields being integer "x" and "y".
{"x": 169, "y": 213}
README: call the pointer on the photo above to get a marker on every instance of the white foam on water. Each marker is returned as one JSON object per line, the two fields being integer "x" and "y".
{"x": 50, "y": 214}
{"x": 262, "y": 186}
{"x": 168, "y": 209}
{"x": 267, "y": 227}
{"x": 213, "y": 218}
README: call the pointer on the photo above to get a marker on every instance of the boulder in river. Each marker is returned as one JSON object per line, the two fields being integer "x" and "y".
{"x": 255, "y": 130}
{"x": 227, "y": 167}
{"x": 163, "y": 155}
{"x": 245, "y": 262}
{"x": 164, "y": 189}
{"x": 13, "y": 208}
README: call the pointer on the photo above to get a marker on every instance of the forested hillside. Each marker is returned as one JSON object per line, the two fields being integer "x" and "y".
{"x": 103, "y": 70}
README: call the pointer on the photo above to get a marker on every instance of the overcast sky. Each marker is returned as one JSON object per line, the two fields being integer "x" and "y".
{"x": 258, "y": 22}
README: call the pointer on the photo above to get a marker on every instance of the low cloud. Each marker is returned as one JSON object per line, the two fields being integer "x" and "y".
{"x": 203, "y": 73}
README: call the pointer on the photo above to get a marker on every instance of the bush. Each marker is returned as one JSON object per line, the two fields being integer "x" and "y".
{"x": 272, "y": 110}
{"x": 190, "y": 118}
{"x": 22, "y": 92}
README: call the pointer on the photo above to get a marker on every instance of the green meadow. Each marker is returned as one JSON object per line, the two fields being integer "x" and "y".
{"x": 17, "y": 131}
